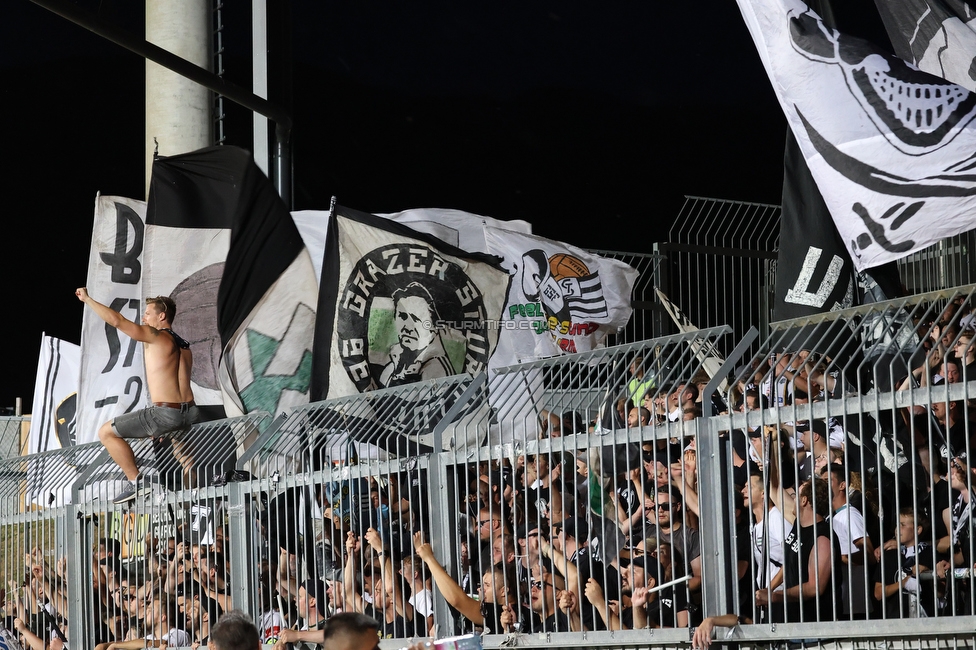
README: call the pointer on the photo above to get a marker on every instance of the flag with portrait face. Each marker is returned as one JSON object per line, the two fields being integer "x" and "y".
{"x": 398, "y": 306}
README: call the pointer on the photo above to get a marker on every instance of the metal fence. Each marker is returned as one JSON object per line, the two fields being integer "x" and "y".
{"x": 13, "y": 430}
{"x": 852, "y": 452}
{"x": 948, "y": 263}
{"x": 648, "y": 320}
{"x": 719, "y": 266}
{"x": 616, "y": 497}
{"x": 721, "y": 258}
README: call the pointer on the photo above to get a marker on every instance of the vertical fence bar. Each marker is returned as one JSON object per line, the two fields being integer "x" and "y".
{"x": 715, "y": 497}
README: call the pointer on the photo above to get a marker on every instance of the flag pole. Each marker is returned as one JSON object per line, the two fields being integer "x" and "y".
{"x": 207, "y": 79}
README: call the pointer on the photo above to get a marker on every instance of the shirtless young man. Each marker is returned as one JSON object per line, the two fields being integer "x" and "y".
{"x": 168, "y": 365}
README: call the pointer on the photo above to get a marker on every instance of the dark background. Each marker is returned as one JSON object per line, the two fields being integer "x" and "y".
{"x": 589, "y": 120}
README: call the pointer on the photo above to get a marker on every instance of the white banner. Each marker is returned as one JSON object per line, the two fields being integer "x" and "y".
{"x": 53, "y": 420}
{"x": 450, "y": 304}
{"x": 267, "y": 364}
{"x": 936, "y": 35}
{"x": 112, "y": 369}
{"x": 186, "y": 264}
{"x": 889, "y": 146}
{"x": 463, "y": 230}
{"x": 562, "y": 299}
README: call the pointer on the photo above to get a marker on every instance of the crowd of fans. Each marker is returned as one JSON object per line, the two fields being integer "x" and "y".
{"x": 829, "y": 518}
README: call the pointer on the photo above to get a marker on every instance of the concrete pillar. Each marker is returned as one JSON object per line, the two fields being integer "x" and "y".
{"x": 178, "y": 113}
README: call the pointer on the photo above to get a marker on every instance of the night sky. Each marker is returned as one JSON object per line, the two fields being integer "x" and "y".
{"x": 590, "y": 120}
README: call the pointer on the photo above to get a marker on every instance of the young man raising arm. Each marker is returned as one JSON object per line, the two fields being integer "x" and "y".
{"x": 168, "y": 364}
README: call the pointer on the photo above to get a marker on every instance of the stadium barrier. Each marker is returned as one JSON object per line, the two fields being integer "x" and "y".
{"x": 13, "y": 435}
{"x": 385, "y": 495}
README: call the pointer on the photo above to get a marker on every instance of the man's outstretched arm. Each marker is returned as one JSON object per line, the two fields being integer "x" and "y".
{"x": 134, "y": 331}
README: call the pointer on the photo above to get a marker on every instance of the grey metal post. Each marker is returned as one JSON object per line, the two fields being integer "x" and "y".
{"x": 195, "y": 73}
{"x": 80, "y": 572}
{"x": 717, "y": 558}
{"x": 244, "y": 556}
{"x": 660, "y": 282}
{"x": 443, "y": 530}
{"x": 282, "y": 178}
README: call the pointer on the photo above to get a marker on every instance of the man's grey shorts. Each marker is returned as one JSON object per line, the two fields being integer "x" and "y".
{"x": 153, "y": 422}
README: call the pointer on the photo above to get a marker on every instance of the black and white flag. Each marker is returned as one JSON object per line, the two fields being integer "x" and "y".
{"x": 563, "y": 299}
{"x": 890, "y": 147}
{"x": 397, "y": 306}
{"x": 54, "y": 420}
{"x": 221, "y": 243}
{"x": 938, "y": 36}
{"x": 113, "y": 375}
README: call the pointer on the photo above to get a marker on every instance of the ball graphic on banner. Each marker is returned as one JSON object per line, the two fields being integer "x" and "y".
{"x": 563, "y": 265}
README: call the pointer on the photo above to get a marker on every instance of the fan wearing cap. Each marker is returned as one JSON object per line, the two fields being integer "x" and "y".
{"x": 311, "y": 609}
{"x": 648, "y": 607}
{"x": 815, "y": 450}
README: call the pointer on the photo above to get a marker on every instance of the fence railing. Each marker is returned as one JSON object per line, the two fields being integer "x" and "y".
{"x": 648, "y": 320}
{"x": 889, "y": 418}
{"x": 721, "y": 256}
{"x": 615, "y": 497}
{"x": 12, "y": 435}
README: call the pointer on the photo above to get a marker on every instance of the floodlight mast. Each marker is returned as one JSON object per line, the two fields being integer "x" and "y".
{"x": 193, "y": 72}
